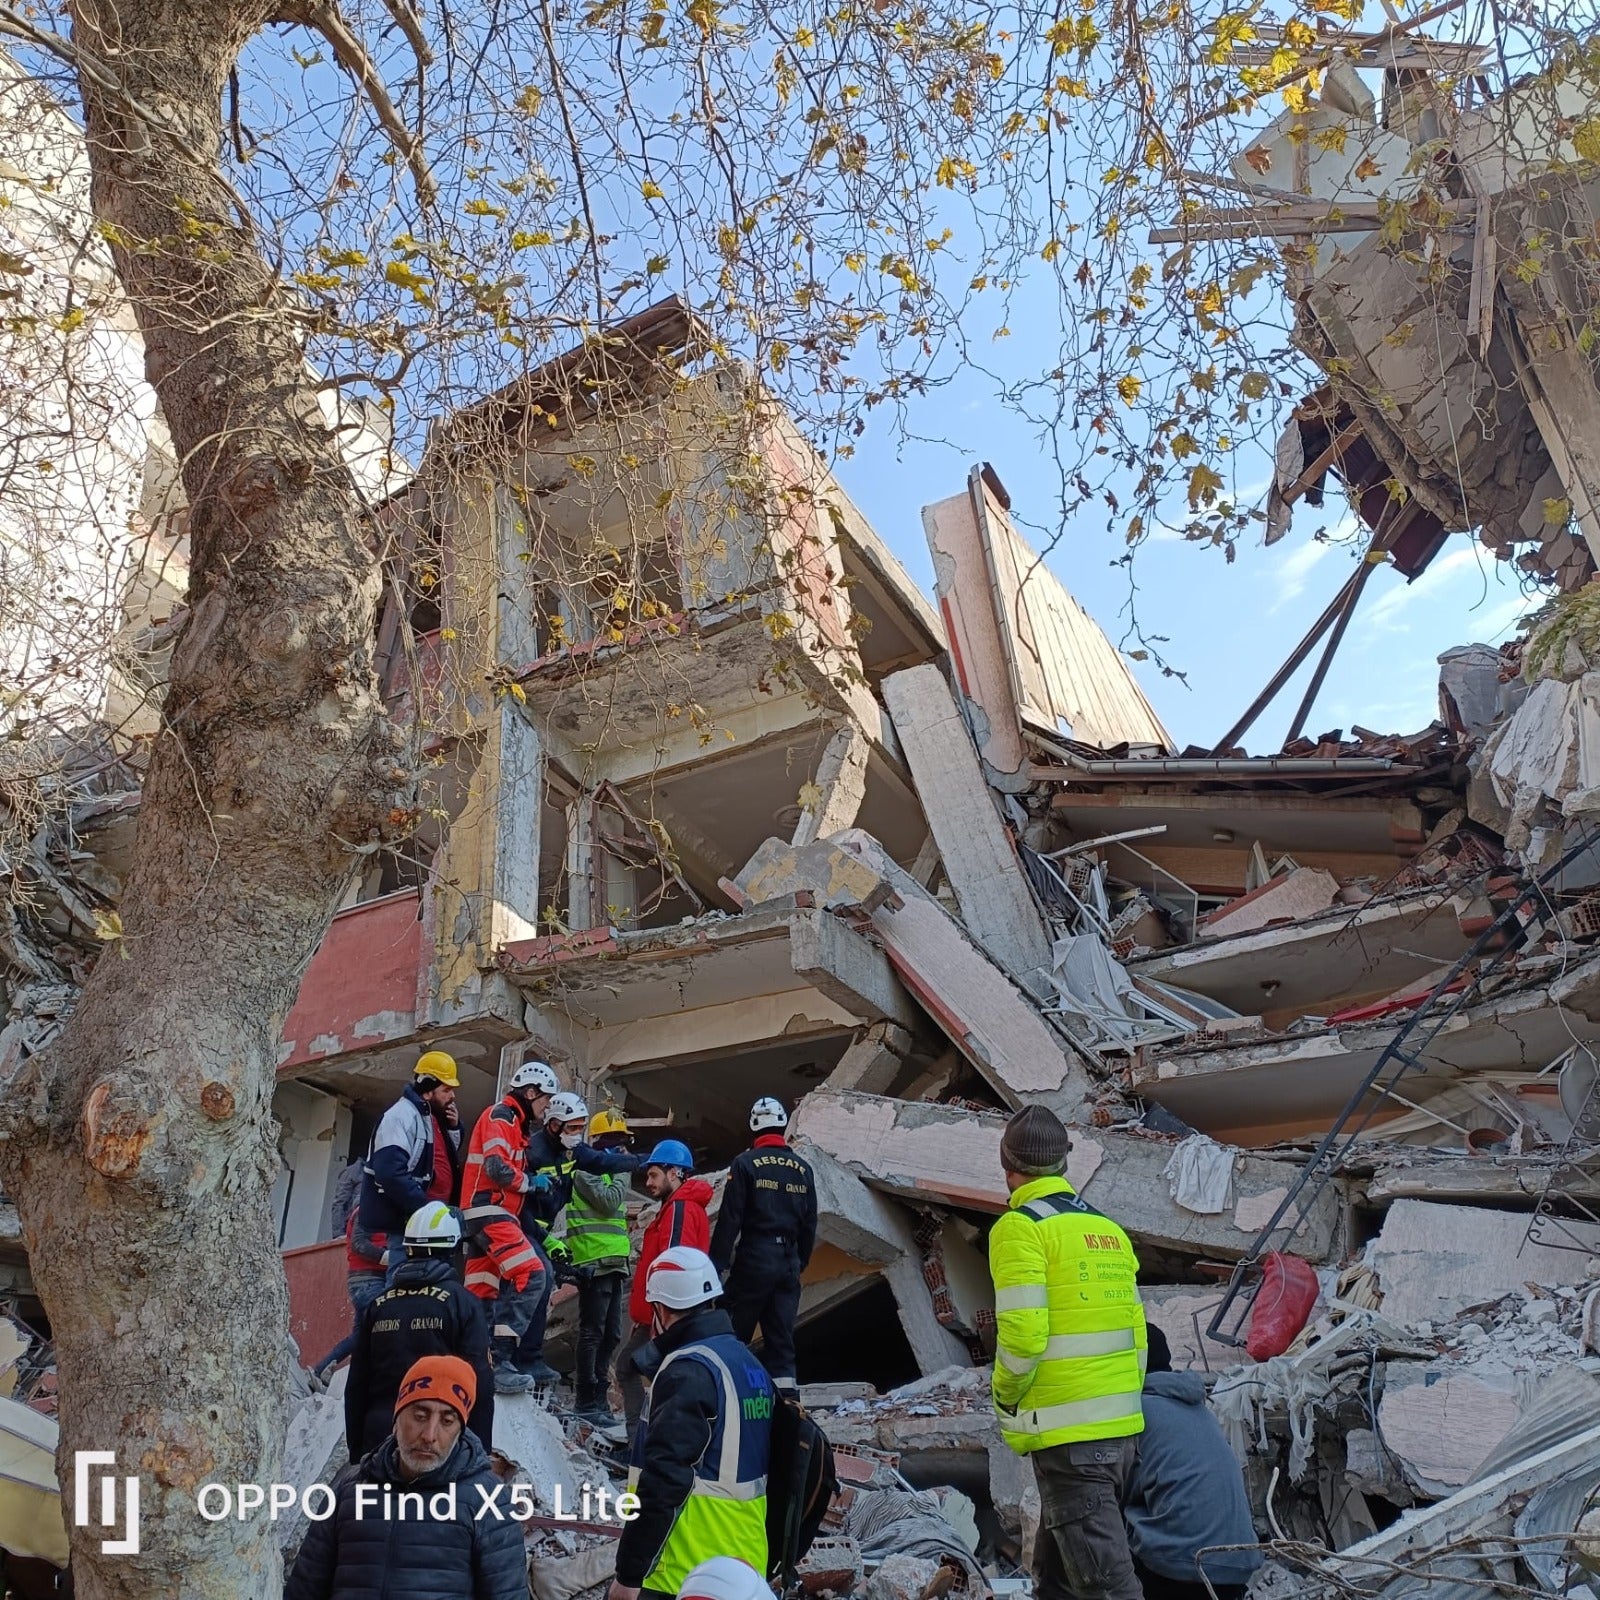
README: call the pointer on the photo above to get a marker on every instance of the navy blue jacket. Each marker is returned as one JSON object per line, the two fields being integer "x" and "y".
{"x": 399, "y": 1167}
{"x": 372, "y": 1557}
{"x": 769, "y": 1208}
{"x": 685, "y": 1417}
{"x": 425, "y": 1311}
{"x": 1186, "y": 1491}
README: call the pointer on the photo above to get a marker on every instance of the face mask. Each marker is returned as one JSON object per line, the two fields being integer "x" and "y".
{"x": 571, "y": 1141}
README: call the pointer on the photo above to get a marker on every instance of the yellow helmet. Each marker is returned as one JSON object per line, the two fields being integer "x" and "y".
{"x": 608, "y": 1120}
{"x": 438, "y": 1064}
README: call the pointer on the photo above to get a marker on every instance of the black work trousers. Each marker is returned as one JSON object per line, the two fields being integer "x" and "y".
{"x": 764, "y": 1287}
{"x": 601, "y": 1301}
{"x": 1082, "y": 1549}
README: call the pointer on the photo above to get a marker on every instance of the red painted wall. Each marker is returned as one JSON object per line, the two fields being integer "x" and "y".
{"x": 319, "y": 1303}
{"x": 361, "y": 986}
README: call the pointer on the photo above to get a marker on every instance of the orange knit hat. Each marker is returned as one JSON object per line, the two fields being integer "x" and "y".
{"x": 445, "y": 1378}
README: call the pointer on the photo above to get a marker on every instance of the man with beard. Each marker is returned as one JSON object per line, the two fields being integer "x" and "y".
{"x": 384, "y": 1536}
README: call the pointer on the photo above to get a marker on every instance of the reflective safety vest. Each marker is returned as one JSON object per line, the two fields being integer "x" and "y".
{"x": 596, "y": 1236}
{"x": 726, "y": 1512}
{"x": 1071, "y": 1352}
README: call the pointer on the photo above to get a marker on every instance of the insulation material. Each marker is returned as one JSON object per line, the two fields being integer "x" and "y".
{"x": 1101, "y": 1005}
{"x": 1200, "y": 1176}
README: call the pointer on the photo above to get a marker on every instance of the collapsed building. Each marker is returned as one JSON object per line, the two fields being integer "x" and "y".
{"x": 718, "y": 804}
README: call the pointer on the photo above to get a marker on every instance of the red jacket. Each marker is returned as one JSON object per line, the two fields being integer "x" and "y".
{"x": 681, "y": 1220}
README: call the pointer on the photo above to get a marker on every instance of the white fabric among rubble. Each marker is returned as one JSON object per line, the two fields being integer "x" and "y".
{"x": 1298, "y": 1386}
{"x": 1200, "y": 1176}
{"x": 1100, "y": 1006}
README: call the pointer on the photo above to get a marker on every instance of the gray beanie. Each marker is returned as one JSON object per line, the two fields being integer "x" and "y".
{"x": 1035, "y": 1142}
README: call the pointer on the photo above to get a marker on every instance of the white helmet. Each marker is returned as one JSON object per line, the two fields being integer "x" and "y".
{"x": 535, "y": 1075}
{"x": 433, "y": 1227}
{"x": 566, "y": 1107}
{"x": 682, "y": 1278}
{"x": 767, "y": 1113}
{"x": 724, "y": 1578}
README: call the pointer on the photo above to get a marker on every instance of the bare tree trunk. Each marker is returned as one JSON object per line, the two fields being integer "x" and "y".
{"x": 139, "y": 1147}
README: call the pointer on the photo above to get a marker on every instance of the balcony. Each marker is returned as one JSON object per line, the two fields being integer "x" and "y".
{"x": 361, "y": 987}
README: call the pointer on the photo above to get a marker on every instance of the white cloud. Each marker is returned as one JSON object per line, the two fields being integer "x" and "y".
{"x": 1294, "y": 571}
{"x": 1385, "y": 614}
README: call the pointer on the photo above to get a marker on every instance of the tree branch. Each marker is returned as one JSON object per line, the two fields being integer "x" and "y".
{"x": 323, "y": 18}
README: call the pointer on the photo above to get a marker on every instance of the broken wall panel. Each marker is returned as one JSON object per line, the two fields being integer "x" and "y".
{"x": 997, "y": 907}
{"x": 950, "y": 1156}
{"x": 982, "y": 1011}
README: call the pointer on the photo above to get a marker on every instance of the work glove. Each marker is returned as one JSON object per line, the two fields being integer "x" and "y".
{"x": 558, "y": 1250}
{"x": 536, "y": 1183}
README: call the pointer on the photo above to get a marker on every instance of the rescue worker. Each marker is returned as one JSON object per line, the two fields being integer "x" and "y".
{"x": 682, "y": 1220}
{"x": 415, "y": 1153}
{"x": 766, "y": 1230}
{"x": 1070, "y": 1361}
{"x": 502, "y": 1265}
{"x": 414, "y": 1157}
{"x": 425, "y": 1311}
{"x": 1186, "y": 1493}
{"x": 412, "y": 1519}
{"x": 599, "y": 1249}
{"x": 701, "y": 1456}
{"x": 556, "y": 1154}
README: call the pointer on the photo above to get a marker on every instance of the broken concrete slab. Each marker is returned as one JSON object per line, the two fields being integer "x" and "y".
{"x": 979, "y": 1008}
{"x": 1286, "y": 898}
{"x": 1343, "y": 954}
{"x": 980, "y": 861}
{"x": 1256, "y": 1091}
{"x": 949, "y": 1155}
{"x": 1440, "y": 1424}
{"x": 873, "y": 1061}
{"x": 869, "y": 1228}
{"x": 1433, "y": 1261}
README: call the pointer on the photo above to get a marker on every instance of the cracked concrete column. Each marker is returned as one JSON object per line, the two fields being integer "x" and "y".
{"x": 869, "y": 1228}
{"x": 841, "y": 785}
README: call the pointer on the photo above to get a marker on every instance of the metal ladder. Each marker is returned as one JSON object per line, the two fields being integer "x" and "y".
{"x": 1403, "y": 1052}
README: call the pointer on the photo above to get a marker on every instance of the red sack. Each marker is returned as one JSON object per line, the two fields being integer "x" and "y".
{"x": 1288, "y": 1291}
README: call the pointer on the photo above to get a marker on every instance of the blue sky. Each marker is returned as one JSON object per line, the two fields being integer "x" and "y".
{"x": 1229, "y": 627}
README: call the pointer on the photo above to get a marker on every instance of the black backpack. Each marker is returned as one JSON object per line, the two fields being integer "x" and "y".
{"x": 801, "y": 1484}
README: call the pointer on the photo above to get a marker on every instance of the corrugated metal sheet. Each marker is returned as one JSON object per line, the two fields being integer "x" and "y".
{"x": 1067, "y": 677}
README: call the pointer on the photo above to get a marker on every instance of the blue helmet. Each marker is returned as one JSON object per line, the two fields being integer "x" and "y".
{"x": 671, "y": 1153}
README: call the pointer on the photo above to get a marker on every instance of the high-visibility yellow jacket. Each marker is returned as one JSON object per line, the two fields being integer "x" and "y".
{"x": 1072, "y": 1343}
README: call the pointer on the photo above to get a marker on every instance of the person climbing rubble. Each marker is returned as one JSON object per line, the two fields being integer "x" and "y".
{"x": 701, "y": 1456}
{"x": 425, "y": 1311}
{"x": 503, "y": 1265}
{"x": 599, "y": 1249}
{"x": 406, "y": 1519}
{"x": 1186, "y": 1493}
{"x": 414, "y": 1157}
{"x": 556, "y": 1154}
{"x": 766, "y": 1230}
{"x": 682, "y": 1220}
{"x": 1069, "y": 1362}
